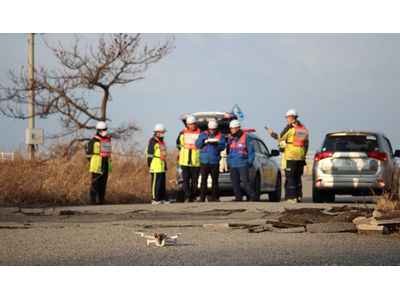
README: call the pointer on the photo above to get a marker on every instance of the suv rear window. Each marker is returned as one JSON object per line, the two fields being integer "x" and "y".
{"x": 351, "y": 143}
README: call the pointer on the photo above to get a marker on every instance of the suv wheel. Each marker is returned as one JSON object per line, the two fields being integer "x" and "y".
{"x": 318, "y": 196}
{"x": 329, "y": 197}
{"x": 276, "y": 196}
{"x": 257, "y": 188}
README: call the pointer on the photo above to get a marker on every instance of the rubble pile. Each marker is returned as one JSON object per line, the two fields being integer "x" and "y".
{"x": 362, "y": 220}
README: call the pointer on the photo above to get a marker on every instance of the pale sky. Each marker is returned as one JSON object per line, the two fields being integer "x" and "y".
{"x": 335, "y": 81}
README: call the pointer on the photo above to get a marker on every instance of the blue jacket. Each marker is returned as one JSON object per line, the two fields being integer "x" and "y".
{"x": 235, "y": 162}
{"x": 212, "y": 156}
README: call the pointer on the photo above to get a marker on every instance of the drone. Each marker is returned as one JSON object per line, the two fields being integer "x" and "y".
{"x": 160, "y": 239}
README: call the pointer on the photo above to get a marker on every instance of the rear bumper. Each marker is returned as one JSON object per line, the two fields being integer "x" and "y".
{"x": 350, "y": 185}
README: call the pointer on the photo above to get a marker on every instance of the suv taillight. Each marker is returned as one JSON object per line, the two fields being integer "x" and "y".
{"x": 322, "y": 155}
{"x": 377, "y": 155}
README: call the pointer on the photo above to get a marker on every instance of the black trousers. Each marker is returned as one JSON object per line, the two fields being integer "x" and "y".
{"x": 98, "y": 186}
{"x": 294, "y": 170}
{"x": 190, "y": 176}
{"x": 236, "y": 175}
{"x": 286, "y": 187}
{"x": 158, "y": 186}
{"x": 206, "y": 169}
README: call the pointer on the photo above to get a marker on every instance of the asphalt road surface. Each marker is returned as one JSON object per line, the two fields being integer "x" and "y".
{"x": 105, "y": 236}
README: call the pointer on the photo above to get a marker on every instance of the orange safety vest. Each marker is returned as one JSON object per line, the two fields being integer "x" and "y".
{"x": 189, "y": 138}
{"x": 238, "y": 149}
{"x": 105, "y": 146}
{"x": 300, "y": 136}
{"x": 163, "y": 149}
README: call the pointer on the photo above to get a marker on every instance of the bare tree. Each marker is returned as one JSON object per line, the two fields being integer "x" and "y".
{"x": 71, "y": 90}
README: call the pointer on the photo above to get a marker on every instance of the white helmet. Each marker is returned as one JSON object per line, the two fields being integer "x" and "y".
{"x": 212, "y": 124}
{"x": 160, "y": 128}
{"x": 191, "y": 120}
{"x": 101, "y": 126}
{"x": 291, "y": 112}
{"x": 234, "y": 124}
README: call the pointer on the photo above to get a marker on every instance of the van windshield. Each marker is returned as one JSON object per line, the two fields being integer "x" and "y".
{"x": 351, "y": 143}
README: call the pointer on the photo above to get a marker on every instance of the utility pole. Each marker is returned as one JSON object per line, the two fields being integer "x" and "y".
{"x": 31, "y": 111}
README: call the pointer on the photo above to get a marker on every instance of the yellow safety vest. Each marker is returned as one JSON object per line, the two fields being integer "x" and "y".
{"x": 96, "y": 160}
{"x": 187, "y": 141}
{"x": 159, "y": 156}
{"x": 293, "y": 152}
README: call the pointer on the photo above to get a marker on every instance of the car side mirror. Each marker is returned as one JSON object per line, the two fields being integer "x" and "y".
{"x": 397, "y": 153}
{"x": 275, "y": 152}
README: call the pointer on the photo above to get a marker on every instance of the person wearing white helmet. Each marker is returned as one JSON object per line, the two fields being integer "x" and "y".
{"x": 240, "y": 157}
{"x": 210, "y": 142}
{"x": 295, "y": 136}
{"x": 98, "y": 152}
{"x": 156, "y": 153}
{"x": 189, "y": 158}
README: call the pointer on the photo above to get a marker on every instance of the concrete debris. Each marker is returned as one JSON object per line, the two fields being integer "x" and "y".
{"x": 376, "y": 214}
{"x": 292, "y": 230}
{"x": 259, "y": 229}
{"x": 332, "y": 227}
{"x": 372, "y": 229}
{"x": 392, "y": 215}
{"x": 391, "y": 225}
{"x": 362, "y": 220}
{"x": 327, "y": 211}
{"x": 244, "y": 226}
{"x": 387, "y": 222}
{"x": 284, "y": 224}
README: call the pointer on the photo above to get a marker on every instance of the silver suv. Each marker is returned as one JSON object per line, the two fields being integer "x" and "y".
{"x": 265, "y": 173}
{"x": 353, "y": 163}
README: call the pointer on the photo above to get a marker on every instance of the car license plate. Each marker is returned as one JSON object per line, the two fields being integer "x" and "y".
{"x": 350, "y": 164}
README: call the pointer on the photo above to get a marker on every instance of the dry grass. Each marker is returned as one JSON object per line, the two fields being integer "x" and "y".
{"x": 389, "y": 201}
{"x": 66, "y": 181}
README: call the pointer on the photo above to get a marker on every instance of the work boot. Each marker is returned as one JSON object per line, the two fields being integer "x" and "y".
{"x": 103, "y": 201}
{"x": 93, "y": 201}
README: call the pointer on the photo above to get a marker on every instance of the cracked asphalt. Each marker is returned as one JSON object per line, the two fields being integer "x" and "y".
{"x": 105, "y": 236}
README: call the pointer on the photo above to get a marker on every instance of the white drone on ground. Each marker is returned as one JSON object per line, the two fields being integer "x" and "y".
{"x": 160, "y": 239}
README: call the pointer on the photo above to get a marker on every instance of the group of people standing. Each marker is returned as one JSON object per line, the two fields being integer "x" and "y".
{"x": 200, "y": 154}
